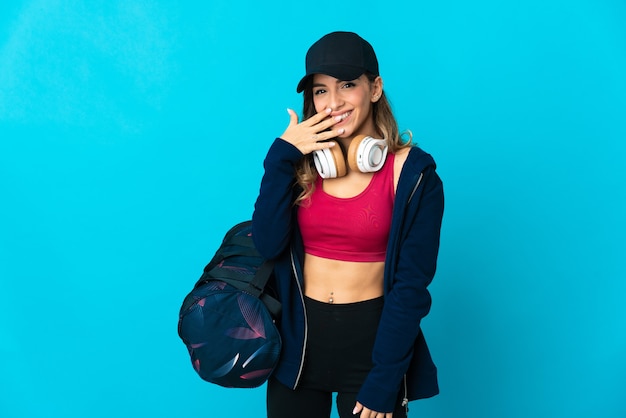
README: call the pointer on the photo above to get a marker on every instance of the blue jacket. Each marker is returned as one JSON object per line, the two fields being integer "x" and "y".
{"x": 401, "y": 359}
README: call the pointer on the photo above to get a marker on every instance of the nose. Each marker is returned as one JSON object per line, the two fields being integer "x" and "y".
{"x": 335, "y": 101}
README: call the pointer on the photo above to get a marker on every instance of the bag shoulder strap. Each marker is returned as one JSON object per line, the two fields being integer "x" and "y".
{"x": 237, "y": 245}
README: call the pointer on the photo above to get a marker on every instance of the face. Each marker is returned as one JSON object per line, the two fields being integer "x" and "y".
{"x": 352, "y": 100}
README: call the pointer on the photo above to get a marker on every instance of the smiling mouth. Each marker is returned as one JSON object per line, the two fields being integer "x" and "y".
{"x": 345, "y": 115}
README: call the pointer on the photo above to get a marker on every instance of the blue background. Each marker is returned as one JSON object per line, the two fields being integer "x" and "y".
{"x": 132, "y": 135}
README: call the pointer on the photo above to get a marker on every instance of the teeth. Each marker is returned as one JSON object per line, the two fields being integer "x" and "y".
{"x": 345, "y": 115}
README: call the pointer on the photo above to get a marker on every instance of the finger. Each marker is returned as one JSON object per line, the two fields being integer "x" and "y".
{"x": 323, "y": 113}
{"x": 293, "y": 117}
{"x": 326, "y": 135}
{"x": 317, "y": 146}
{"x": 367, "y": 413}
{"x": 318, "y": 117}
{"x": 325, "y": 124}
{"x": 323, "y": 136}
{"x": 323, "y": 131}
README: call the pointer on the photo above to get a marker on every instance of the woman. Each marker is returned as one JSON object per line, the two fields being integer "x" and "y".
{"x": 354, "y": 250}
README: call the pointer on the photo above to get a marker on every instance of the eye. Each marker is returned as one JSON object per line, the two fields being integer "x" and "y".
{"x": 317, "y": 92}
{"x": 348, "y": 85}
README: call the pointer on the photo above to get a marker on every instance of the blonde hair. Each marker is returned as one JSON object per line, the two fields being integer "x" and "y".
{"x": 386, "y": 127}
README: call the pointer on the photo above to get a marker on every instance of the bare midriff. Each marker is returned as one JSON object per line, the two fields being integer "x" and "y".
{"x": 337, "y": 281}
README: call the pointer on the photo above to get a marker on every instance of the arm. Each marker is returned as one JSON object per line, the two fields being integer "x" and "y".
{"x": 408, "y": 300}
{"x": 273, "y": 210}
{"x": 272, "y": 217}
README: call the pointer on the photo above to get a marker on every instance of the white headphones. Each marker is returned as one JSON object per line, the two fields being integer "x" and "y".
{"x": 365, "y": 154}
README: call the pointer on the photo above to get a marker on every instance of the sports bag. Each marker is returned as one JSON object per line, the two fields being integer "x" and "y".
{"x": 227, "y": 320}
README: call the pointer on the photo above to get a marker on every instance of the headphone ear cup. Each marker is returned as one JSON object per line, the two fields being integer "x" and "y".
{"x": 367, "y": 154}
{"x": 330, "y": 162}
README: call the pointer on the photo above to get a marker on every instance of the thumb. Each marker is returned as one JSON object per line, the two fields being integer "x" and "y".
{"x": 357, "y": 408}
{"x": 293, "y": 117}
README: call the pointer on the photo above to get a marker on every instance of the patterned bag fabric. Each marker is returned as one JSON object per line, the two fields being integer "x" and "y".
{"x": 227, "y": 320}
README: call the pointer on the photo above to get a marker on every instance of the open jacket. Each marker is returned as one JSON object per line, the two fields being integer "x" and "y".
{"x": 401, "y": 359}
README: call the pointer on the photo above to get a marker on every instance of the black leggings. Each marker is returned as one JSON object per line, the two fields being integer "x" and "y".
{"x": 337, "y": 359}
{"x": 282, "y": 402}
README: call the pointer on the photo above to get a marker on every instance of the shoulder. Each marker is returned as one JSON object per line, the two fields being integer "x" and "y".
{"x": 418, "y": 160}
{"x": 400, "y": 158}
{"x": 410, "y": 162}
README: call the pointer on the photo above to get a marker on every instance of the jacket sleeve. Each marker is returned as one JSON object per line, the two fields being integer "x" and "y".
{"x": 408, "y": 300}
{"x": 273, "y": 211}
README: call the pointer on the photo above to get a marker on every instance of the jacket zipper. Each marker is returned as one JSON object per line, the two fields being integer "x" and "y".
{"x": 408, "y": 200}
{"x": 306, "y": 327}
{"x": 419, "y": 180}
{"x": 405, "y": 400}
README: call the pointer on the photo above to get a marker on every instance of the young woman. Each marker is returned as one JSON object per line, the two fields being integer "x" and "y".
{"x": 352, "y": 214}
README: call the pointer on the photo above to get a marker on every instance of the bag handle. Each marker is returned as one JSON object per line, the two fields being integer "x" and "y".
{"x": 256, "y": 286}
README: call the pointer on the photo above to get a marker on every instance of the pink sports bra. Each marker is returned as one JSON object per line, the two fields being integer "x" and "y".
{"x": 350, "y": 229}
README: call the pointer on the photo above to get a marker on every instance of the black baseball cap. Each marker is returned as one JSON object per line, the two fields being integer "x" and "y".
{"x": 343, "y": 55}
